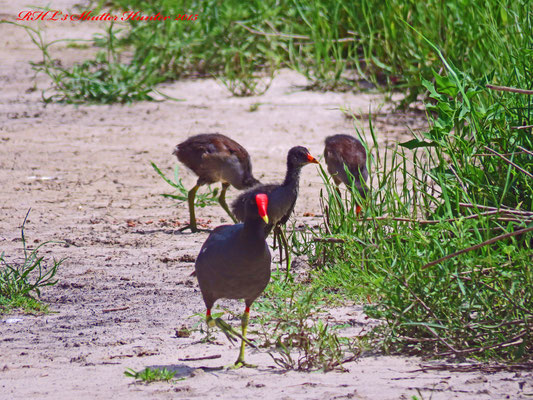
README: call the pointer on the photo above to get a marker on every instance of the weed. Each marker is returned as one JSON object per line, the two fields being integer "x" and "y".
{"x": 102, "y": 80}
{"x": 149, "y": 375}
{"x": 288, "y": 317}
{"x": 201, "y": 199}
{"x": 27, "y": 304}
{"x": 18, "y": 281}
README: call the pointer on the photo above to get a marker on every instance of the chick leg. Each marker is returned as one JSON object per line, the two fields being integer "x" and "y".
{"x": 223, "y": 204}
{"x": 192, "y": 217}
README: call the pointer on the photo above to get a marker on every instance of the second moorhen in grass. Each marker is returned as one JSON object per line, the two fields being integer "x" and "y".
{"x": 215, "y": 158}
{"x": 281, "y": 197}
{"x": 346, "y": 150}
{"x": 234, "y": 263}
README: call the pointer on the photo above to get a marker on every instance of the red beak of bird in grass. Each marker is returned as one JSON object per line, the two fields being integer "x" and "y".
{"x": 312, "y": 159}
{"x": 262, "y": 204}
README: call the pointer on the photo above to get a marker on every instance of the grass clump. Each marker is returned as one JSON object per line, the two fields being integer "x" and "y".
{"x": 288, "y": 320}
{"x": 19, "y": 281}
{"x": 149, "y": 375}
{"x": 444, "y": 247}
{"x": 102, "y": 80}
{"x": 336, "y": 45}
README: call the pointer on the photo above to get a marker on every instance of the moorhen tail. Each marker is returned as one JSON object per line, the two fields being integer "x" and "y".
{"x": 234, "y": 263}
{"x": 346, "y": 150}
{"x": 215, "y": 158}
{"x": 282, "y": 197}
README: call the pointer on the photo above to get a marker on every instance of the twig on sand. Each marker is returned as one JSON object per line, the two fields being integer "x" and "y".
{"x": 469, "y": 367}
{"x": 108, "y": 310}
{"x": 212, "y": 357}
{"x": 507, "y": 343}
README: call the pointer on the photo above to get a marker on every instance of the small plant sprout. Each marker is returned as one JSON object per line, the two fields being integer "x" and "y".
{"x": 181, "y": 193}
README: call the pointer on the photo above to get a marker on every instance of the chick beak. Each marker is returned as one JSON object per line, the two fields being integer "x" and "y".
{"x": 312, "y": 159}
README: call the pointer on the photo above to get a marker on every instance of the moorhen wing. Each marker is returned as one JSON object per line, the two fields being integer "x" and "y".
{"x": 215, "y": 158}
{"x": 341, "y": 150}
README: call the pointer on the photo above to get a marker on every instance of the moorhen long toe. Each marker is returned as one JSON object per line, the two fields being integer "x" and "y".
{"x": 215, "y": 158}
{"x": 234, "y": 263}
{"x": 281, "y": 197}
{"x": 346, "y": 150}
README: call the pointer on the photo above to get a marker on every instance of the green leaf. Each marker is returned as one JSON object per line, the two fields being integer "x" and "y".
{"x": 416, "y": 143}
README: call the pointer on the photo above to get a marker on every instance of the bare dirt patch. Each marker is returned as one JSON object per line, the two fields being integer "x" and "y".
{"x": 125, "y": 288}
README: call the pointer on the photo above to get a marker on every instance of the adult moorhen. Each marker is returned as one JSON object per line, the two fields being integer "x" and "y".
{"x": 215, "y": 158}
{"x": 346, "y": 150}
{"x": 234, "y": 263}
{"x": 282, "y": 197}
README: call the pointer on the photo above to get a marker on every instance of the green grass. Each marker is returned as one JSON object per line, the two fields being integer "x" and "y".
{"x": 27, "y": 304}
{"x": 289, "y": 324}
{"x": 181, "y": 192}
{"x": 336, "y": 45}
{"x": 149, "y": 375}
{"x": 444, "y": 246}
{"x": 20, "y": 281}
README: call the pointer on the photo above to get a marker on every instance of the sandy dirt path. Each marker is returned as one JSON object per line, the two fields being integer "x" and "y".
{"x": 125, "y": 286}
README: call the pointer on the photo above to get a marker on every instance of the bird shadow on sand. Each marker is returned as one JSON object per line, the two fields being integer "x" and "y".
{"x": 185, "y": 371}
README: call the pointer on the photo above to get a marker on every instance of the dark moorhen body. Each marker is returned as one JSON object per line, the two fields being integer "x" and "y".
{"x": 234, "y": 263}
{"x": 281, "y": 197}
{"x": 215, "y": 158}
{"x": 346, "y": 150}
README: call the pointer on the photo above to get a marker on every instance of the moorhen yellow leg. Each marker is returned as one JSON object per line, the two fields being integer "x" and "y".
{"x": 192, "y": 217}
{"x": 226, "y": 329}
{"x": 244, "y": 325}
{"x": 223, "y": 204}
